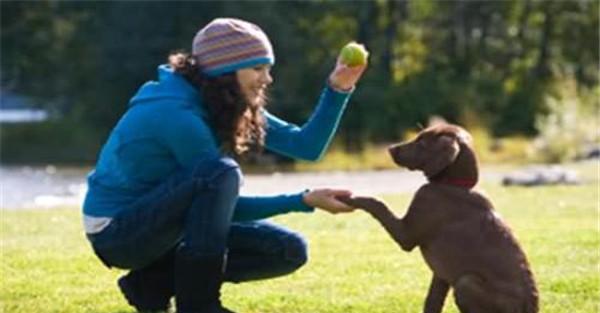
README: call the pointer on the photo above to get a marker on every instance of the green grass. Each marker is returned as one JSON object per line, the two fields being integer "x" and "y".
{"x": 47, "y": 265}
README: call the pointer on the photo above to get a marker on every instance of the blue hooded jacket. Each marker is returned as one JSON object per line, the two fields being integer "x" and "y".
{"x": 165, "y": 130}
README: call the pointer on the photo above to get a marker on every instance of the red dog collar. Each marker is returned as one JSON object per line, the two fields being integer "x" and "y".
{"x": 461, "y": 182}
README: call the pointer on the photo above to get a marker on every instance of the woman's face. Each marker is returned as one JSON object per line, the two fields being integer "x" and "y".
{"x": 254, "y": 82}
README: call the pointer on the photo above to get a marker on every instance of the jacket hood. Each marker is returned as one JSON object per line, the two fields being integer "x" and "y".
{"x": 170, "y": 86}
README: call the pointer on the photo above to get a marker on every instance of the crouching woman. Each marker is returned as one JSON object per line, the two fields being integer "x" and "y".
{"x": 163, "y": 200}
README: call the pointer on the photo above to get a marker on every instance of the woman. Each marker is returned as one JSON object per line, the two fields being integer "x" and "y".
{"x": 164, "y": 198}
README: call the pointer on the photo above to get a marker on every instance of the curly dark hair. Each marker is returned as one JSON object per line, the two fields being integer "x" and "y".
{"x": 239, "y": 124}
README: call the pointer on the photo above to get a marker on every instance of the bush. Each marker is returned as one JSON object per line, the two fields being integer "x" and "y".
{"x": 570, "y": 125}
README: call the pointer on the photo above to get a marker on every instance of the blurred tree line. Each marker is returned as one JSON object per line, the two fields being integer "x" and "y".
{"x": 486, "y": 62}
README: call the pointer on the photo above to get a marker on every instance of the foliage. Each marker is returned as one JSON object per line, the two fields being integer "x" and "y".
{"x": 496, "y": 59}
{"x": 569, "y": 126}
{"x": 47, "y": 265}
{"x": 64, "y": 141}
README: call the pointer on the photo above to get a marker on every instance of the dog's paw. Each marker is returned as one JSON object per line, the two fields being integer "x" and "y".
{"x": 366, "y": 203}
{"x": 349, "y": 200}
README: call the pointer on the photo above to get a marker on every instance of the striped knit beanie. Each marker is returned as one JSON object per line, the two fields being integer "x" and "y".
{"x": 227, "y": 44}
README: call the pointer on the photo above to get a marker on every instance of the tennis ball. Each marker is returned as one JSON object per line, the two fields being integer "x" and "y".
{"x": 354, "y": 54}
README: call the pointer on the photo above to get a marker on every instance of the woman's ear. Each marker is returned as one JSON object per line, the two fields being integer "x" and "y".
{"x": 444, "y": 151}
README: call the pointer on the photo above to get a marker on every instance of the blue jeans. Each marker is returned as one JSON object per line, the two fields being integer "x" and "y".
{"x": 194, "y": 209}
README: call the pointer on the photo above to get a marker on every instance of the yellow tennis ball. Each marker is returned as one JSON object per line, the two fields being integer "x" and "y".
{"x": 354, "y": 54}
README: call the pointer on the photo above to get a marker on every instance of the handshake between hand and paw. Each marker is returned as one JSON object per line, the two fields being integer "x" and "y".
{"x": 340, "y": 201}
{"x": 369, "y": 204}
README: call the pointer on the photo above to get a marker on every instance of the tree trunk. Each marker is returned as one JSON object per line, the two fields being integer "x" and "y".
{"x": 522, "y": 29}
{"x": 397, "y": 12}
{"x": 355, "y": 124}
{"x": 542, "y": 68}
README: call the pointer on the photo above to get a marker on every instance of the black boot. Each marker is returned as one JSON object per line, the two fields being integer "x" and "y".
{"x": 150, "y": 289}
{"x": 198, "y": 282}
{"x": 141, "y": 299}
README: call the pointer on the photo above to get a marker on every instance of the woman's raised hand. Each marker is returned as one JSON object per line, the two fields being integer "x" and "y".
{"x": 344, "y": 77}
{"x": 326, "y": 199}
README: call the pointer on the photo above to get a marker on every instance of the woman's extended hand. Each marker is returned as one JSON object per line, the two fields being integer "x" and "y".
{"x": 343, "y": 77}
{"x": 325, "y": 199}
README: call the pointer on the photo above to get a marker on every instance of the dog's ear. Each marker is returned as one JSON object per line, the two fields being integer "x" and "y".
{"x": 444, "y": 151}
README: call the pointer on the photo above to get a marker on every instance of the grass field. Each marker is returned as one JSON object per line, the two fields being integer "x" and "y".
{"x": 47, "y": 266}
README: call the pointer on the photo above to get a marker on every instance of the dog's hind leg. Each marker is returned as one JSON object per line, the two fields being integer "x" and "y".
{"x": 438, "y": 290}
{"x": 473, "y": 295}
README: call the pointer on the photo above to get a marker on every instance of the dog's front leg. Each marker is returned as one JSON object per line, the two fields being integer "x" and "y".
{"x": 392, "y": 224}
{"x": 438, "y": 290}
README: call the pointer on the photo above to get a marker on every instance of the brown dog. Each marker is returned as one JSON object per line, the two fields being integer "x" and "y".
{"x": 464, "y": 242}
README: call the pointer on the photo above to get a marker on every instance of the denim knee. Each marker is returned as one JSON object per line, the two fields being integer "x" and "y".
{"x": 208, "y": 218}
{"x": 222, "y": 172}
{"x": 296, "y": 251}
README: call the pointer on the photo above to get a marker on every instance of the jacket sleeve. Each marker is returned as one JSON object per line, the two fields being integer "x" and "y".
{"x": 259, "y": 207}
{"x": 310, "y": 141}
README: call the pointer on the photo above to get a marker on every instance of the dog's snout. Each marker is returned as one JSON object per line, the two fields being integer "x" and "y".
{"x": 393, "y": 151}
{"x": 399, "y": 155}
{"x": 406, "y": 155}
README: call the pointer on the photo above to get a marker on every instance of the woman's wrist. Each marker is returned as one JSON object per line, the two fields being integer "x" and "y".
{"x": 339, "y": 88}
{"x": 304, "y": 197}
{"x": 305, "y": 201}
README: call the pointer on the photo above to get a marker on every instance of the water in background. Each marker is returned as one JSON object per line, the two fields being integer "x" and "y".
{"x": 50, "y": 186}
{"x": 46, "y": 187}
{"x": 41, "y": 187}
